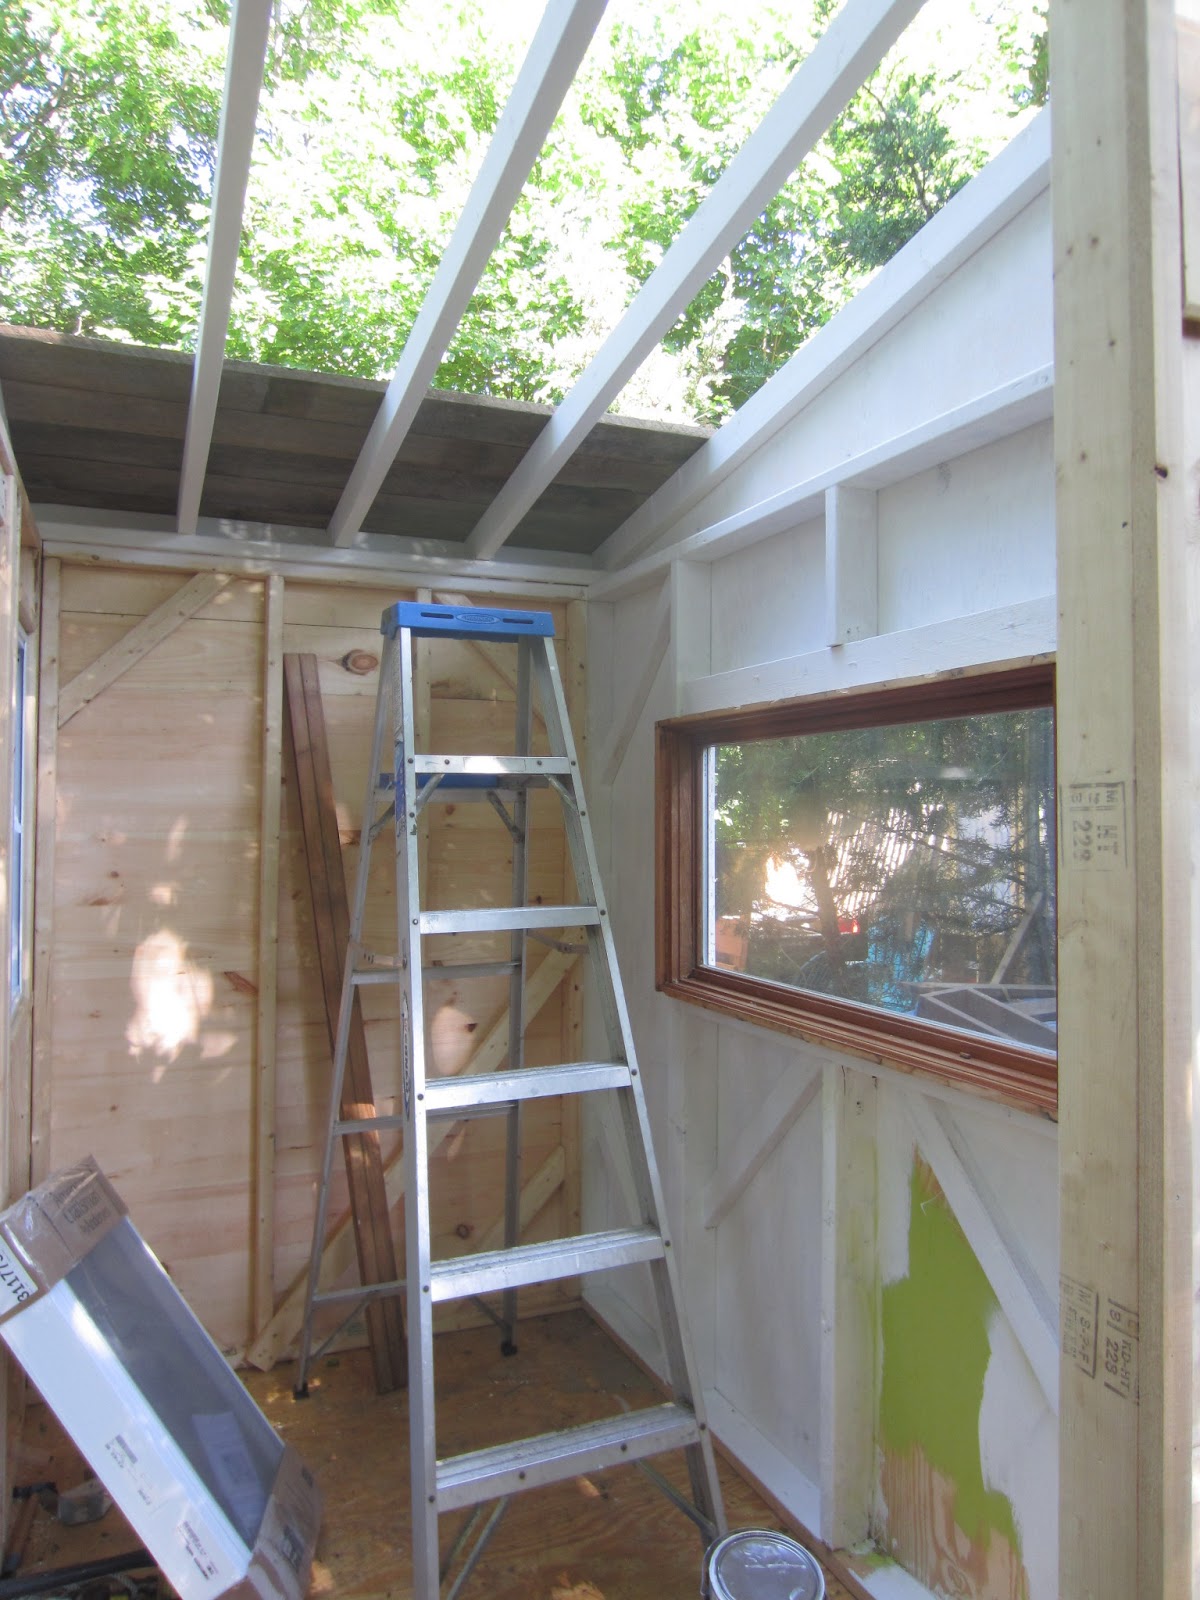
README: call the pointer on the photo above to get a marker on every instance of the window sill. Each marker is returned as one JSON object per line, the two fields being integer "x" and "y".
{"x": 1013, "y": 1077}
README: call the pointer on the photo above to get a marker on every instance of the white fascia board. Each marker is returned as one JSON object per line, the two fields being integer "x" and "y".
{"x": 549, "y": 69}
{"x": 1005, "y": 187}
{"x": 258, "y": 549}
{"x": 849, "y": 51}
{"x": 244, "y": 66}
{"x": 1001, "y": 412}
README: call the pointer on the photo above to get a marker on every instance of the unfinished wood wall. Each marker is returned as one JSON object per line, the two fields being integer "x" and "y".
{"x": 181, "y": 1042}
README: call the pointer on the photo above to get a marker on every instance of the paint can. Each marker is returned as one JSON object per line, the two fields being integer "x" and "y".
{"x": 759, "y": 1565}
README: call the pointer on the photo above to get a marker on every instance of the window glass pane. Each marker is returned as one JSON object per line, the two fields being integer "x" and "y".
{"x": 906, "y": 867}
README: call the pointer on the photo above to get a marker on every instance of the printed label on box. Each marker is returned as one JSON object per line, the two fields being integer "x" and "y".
{"x": 127, "y": 1460}
{"x": 16, "y": 1286}
{"x": 194, "y": 1545}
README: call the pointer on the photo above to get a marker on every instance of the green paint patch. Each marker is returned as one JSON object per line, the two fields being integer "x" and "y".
{"x": 935, "y": 1354}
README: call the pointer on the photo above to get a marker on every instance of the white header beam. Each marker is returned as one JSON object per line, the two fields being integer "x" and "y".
{"x": 850, "y": 50}
{"x": 554, "y": 56}
{"x": 248, "y": 29}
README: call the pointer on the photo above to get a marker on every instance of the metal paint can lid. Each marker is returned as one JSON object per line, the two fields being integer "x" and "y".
{"x": 759, "y": 1565}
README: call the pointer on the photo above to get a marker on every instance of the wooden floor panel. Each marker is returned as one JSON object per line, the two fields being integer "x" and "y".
{"x": 610, "y": 1536}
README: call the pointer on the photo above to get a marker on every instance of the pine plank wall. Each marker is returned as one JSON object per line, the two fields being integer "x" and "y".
{"x": 156, "y": 1049}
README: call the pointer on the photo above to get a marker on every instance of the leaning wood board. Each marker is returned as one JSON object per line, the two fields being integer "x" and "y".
{"x": 153, "y": 955}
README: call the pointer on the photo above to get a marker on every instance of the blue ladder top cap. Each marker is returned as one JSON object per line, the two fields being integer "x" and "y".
{"x": 465, "y": 622}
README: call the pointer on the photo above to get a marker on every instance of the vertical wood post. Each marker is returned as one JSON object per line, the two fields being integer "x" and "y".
{"x": 43, "y": 884}
{"x": 849, "y": 1303}
{"x": 263, "y": 1268}
{"x": 1124, "y": 956}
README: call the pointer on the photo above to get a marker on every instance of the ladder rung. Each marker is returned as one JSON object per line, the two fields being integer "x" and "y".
{"x": 360, "y": 1291}
{"x": 549, "y": 1457}
{"x": 450, "y": 970}
{"x": 506, "y": 919}
{"x": 366, "y": 975}
{"x": 542, "y": 1263}
{"x": 448, "y": 1096}
{"x": 383, "y": 1124}
{"x": 500, "y": 767}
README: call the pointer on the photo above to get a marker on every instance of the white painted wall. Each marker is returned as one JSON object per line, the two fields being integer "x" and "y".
{"x": 969, "y": 538}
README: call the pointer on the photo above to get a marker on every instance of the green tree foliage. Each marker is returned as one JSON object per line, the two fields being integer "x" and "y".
{"x": 375, "y": 117}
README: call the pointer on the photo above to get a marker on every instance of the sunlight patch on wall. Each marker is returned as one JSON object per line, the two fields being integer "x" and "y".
{"x": 172, "y": 996}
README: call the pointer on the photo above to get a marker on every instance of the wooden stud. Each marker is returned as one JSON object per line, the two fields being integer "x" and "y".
{"x": 138, "y": 642}
{"x": 851, "y": 564}
{"x": 45, "y": 829}
{"x": 849, "y": 1303}
{"x": 331, "y": 918}
{"x": 263, "y": 1255}
{"x": 10, "y": 558}
{"x": 1124, "y": 1024}
{"x": 1189, "y": 166}
{"x": 625, "y": 726}
{"x": 574, "y": 681}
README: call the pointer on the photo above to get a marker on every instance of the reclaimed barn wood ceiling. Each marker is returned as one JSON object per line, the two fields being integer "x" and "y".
{"x": 101, "y": 425}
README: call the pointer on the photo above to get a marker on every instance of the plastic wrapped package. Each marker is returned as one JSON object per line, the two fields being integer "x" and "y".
{"x": 224, "y": 1506}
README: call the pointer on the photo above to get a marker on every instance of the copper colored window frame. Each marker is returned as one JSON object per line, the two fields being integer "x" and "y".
{"x": 1005, "y": 1072}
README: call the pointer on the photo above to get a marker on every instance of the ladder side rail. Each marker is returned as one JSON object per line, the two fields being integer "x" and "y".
{"x": 665, "y": 1276}
{"x": 419, "y": 1297}
{"x": 518, "y": 947}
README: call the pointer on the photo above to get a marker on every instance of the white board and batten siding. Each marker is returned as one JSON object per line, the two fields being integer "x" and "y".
{"x": 775, "y": 1151}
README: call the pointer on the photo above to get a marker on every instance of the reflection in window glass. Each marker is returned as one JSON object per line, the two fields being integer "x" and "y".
{"x": 907, "y": 867}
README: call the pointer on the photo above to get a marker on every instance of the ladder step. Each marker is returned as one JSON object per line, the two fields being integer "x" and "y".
{"x": 449, "y": 1096}
{"x": 450, "y": 767}
{"x": 506, "y": 919}
{"x": 380, "y": 1124}
{"x": 459, "y": 1276}
{"x": 549, "y": 1457}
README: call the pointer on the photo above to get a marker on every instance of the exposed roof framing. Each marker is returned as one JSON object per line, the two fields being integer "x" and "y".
{"x": 550, "y": 67}
{"x": 846, "y": 55}
{"x": 101, "y": 425}
{"x": 248, "y": 29}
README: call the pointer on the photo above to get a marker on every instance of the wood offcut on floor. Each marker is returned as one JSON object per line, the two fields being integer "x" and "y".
{"x": 607, "y": 1536}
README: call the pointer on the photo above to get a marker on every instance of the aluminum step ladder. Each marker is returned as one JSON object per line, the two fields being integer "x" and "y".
{"x": 398, "y": 796}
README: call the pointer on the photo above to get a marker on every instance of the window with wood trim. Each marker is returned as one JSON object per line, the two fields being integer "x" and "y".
{"x": 873, "y": 871}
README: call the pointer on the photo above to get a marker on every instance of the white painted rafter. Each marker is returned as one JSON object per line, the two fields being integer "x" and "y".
{"x": 849, "y": 51}
{"x": 976, "y": 214}
{"x": 248, "y": 29}
{"x": 549, "y": 69}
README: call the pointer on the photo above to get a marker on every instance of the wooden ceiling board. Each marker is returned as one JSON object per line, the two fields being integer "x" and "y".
{"x": 101, "y": 425}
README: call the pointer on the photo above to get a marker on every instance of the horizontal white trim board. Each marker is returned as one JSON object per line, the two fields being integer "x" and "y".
{"x": 256, "y": 549}
{"x": 1005, "y": 187}
{"x": 986, "y": 638}
{"x": 997, "y": 415}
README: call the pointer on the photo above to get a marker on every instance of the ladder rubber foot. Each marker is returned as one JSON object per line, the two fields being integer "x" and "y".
{"x": 508, "y": 1348}
{"x": 300, "y": 1392}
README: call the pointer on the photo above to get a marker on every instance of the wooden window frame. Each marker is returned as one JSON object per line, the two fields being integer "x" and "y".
{"x": 1010, "y": 1073}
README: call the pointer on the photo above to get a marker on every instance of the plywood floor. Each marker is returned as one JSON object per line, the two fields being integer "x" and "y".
{"x": 611, "y": 1536}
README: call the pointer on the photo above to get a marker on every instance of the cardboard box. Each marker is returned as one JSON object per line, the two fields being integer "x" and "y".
{"x": 224, "y": 1506}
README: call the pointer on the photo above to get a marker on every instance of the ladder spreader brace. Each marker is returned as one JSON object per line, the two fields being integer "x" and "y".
{"x": 415, "y": 780}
